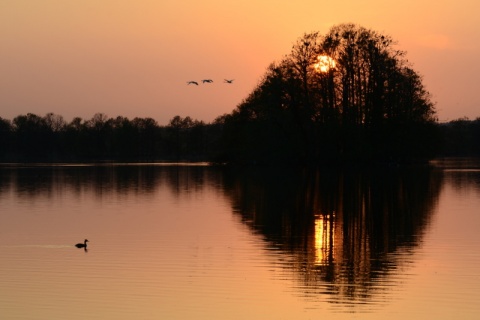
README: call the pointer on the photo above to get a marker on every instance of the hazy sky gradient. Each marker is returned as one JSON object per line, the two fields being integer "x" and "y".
{"x": 134, "y": 57}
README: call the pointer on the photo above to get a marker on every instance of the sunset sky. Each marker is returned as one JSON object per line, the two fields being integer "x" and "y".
{"x": 134, "y": 57}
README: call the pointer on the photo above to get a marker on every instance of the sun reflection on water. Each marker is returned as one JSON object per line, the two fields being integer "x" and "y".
{"x": 324, "y": 239}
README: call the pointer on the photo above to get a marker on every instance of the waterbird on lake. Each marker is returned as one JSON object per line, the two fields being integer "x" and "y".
{"x": 82, "y": 245}
{"x": 192, "y": 82}
{"x": 207, "y": 81}
{"x": 228, "y": 81}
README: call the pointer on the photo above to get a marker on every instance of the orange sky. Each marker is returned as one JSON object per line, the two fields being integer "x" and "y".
{"x": 133, "y": 57}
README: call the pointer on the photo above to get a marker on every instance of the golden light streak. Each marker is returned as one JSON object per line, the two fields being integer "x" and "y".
{"x": 324, "y": 228}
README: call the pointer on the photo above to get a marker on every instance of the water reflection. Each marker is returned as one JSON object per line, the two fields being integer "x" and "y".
{"x": 342, "y": 232}
{"x": 461, "y": 173}
{"x": 140, "y": 180}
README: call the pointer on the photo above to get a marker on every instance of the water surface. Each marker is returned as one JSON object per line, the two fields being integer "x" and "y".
{"x": 199, "y": 242}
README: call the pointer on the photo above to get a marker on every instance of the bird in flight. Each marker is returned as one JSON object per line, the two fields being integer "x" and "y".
{"x": 207, "y": 81}
{"x": 228, "y": 81}
{"x": 193, "y": 82}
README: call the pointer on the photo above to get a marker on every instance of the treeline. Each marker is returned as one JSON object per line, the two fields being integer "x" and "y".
{"x": 460, "y": 138}
{"x": 50, "y": 138}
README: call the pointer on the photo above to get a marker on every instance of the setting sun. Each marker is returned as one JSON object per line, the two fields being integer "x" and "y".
{"x": 324, "y": 64}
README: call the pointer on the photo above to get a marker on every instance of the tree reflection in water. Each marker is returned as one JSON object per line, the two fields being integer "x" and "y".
{"x": 343, "y": 232}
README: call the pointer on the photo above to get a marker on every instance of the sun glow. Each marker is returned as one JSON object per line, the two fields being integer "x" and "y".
{"x": 324, "y": 64}
{"x": 324, "y": 239}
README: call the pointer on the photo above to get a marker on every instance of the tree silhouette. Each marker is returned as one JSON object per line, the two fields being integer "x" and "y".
{"x": 5, "y": 137}
{"x": 348, "y": 95}
{"x": 460, "y": 138}
{"x": 32, "y": 135}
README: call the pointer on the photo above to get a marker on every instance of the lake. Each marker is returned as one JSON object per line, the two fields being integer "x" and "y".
{"x": 204, "y": 242}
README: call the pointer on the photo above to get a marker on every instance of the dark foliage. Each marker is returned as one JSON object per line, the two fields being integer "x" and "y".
{"x": 347, "y": 96}
{"x": 33, "y": 138}
{"x": 460, "y": 138}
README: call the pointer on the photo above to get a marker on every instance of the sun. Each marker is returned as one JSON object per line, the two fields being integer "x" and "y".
{"x": 324, "y": 64}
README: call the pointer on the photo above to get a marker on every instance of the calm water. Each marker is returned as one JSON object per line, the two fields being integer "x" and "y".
{"x": 198, "y": 242}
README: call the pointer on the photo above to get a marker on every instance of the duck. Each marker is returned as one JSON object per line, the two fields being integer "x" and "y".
{"x": 82, "y": 245}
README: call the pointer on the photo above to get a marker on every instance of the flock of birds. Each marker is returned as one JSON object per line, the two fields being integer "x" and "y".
{"x": 230, "y": 81}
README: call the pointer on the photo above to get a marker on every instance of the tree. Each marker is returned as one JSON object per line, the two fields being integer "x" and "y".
{"x": 99, "y": 135}
{"x": 186, "y": 138}
{"x": 32, "y": 133}
{"x": 55, "y": 122}
{"x": 5, "y": 137}
{"x": 148, "y": 135}
{"x": 349, "y": 95}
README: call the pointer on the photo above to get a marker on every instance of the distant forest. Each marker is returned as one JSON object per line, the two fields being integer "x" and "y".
{"x": 348, "y": 96}
{"x": 49, "y": 138}
{"x": 31, "y": 138}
